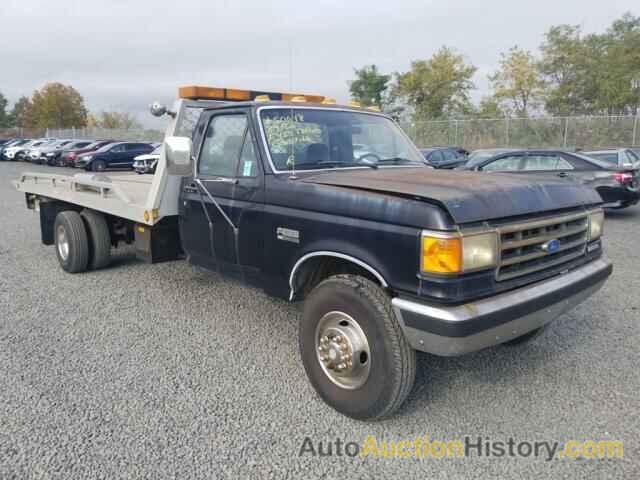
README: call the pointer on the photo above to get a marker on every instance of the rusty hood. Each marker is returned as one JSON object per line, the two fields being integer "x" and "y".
{"x": 467, "y": 196}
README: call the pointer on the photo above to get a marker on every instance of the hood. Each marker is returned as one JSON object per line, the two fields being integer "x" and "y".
{"x": 467, "y": 196}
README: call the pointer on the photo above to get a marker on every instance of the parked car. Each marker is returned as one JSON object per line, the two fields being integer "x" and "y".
{"x": 618, "y": 187}
{"x": 38, "y": 155}
{"x": 35, "y": 146}
{"x": 12, "y": 144}
{"x": 18, "y": 152}
{"x": 480, "y": 156}
{"x": 620, "y": 157}
{"x": 68, "y": 157}
{"x": 113, "y": 155}
{"x": 147, "y": 163}
{"x": 445, "y": 157}
{"x": 52, "y": 156}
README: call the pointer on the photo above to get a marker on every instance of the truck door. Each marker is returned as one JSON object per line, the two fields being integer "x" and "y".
{"x": 225, "y": 196}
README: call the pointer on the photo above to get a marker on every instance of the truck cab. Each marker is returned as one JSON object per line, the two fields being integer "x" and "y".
{"x": 333, "y": 206}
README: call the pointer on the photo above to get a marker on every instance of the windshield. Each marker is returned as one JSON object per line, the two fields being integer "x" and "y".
{"x": 309, "y": 139}
{"x": 106, "y": 148}
{"x": 609, "y": 157}
{"x": 479, "y": 156}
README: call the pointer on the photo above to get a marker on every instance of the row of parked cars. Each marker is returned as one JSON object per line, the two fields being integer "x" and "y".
{"x": 89, "y": 154}
{"x": 614, "y": 173}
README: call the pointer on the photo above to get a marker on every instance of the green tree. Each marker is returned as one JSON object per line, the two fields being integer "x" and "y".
{"x": 58, "y": 106}
{"x": 517, "y": 84}
{"x": 22, "y": 113}
{"x": 438, "y": 87}
{"x": 489, "y": 107}
{"x": 369, "y": 86}
{"x": 5, "y": 118}
{"x": 114, "y": 120}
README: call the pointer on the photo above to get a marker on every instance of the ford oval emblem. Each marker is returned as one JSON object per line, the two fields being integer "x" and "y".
{"x": 552, "y": 246}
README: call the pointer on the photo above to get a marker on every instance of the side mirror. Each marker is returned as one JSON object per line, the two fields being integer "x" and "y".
{"x": 178, "y": 150}
{"x": 157, "y": 109}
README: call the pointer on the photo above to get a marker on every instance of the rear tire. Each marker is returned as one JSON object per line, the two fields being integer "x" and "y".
{"x": 390, "y": 374}
{"x": 99, "y": 239}
{"x": 72, "y": 243}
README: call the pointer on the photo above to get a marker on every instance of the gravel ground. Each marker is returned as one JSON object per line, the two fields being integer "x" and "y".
{"x": 155, "y": 371}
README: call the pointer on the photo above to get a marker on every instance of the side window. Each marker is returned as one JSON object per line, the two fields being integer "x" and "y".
{"x": 546, "y": 162}
{"x": 449, "y": 155}
{"x": 222, "y": 145}
{"x": 436, "y": 157}
{"x": 117, "y": 149}
{"x": 506, "y": 164}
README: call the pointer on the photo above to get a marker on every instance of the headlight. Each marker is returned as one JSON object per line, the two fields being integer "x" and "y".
{"x": 50, "y": 154}
{"x": 596, "y": 224}
{"x": 443, "y": 253}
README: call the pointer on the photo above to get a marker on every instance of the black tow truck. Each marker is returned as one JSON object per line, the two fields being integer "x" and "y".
{"x": 333, "y": 206}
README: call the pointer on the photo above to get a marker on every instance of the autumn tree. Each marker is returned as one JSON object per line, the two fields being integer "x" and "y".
{"x": 58, "y": 106}
{"x": 438, "y": 87}
{"x": 517, "y": 85}
{"x": 369, "y": 86}
{"x": 22, "y": 113}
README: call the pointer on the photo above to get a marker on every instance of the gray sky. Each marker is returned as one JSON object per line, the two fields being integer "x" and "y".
{"x": 122, "y": 55}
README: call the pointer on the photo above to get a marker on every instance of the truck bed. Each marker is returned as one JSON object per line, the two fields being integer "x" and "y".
{"x": 123, "y": 194}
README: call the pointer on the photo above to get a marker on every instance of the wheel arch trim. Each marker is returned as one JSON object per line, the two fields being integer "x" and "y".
{"x": 328, "y": 253}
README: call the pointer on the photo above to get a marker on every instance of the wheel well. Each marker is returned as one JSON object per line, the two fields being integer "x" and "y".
{"x": 316, "y": 269}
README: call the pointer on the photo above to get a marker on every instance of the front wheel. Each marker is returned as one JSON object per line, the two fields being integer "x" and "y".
{"x": 98, "y": 166}
{"x": 353, "y": 349}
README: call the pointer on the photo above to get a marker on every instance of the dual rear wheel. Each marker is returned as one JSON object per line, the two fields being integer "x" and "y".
{"x": 82, "y": 240}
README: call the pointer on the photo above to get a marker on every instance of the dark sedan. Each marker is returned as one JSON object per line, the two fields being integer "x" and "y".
{"x": 68, "y": 157}
{"x": 113, "y": 155}
{"x": 618, "y": 187}
{"x": 444, "y": 157}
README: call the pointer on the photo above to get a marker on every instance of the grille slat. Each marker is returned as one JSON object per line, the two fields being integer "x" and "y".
{"x": 524, "y": 246}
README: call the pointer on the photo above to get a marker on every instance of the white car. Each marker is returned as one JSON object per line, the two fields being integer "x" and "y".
{"x": 147, "y": 163}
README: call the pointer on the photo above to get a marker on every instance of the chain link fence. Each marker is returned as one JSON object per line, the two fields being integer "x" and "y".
{"x": 542, "y": 132}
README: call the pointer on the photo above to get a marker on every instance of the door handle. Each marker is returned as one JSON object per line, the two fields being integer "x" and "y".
{"x": 563, "y": 174}
{"x": 190, "y": 188}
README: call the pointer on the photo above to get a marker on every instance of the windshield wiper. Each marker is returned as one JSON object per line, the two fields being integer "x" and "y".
{"x": 398, "y": 160}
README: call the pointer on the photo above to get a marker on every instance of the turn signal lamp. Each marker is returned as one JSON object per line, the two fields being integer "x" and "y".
{"x": 329, "y": 101}
{"x": 441, "y": 255}
{"x": 298, "y": 98}
{"x": 353, "y": 103}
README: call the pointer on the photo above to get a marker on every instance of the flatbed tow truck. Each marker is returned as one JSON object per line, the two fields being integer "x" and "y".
{"x": 334, "y": 206}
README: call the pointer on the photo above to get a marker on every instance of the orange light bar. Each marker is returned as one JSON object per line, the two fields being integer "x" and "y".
{"x": 196, "y": 92}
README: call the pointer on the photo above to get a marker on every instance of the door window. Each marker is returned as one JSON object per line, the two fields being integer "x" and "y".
{"x": 506, "y": 164}
{"x": 223, "y": 145}
{"x": 117, "y": 149}
{"x": 449, "y": 155}
{"x": 546, "y": 162}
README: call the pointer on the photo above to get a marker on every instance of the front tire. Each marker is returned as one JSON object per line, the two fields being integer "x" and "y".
{"x": 353, "y": 349}
{"x": 72, "y": 243}
{"x": 98, "y": 166}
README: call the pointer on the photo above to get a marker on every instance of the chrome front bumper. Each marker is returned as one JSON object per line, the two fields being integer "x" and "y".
{"x": 451, "y": 331}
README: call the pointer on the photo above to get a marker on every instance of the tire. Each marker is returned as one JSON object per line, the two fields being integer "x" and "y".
{"x": 391, "y": 360}
{"x": 72, "y": 243}
{"x": 99, "y": 239}
{"x": 522, "y": 339}
{"x": 98, "y": 166}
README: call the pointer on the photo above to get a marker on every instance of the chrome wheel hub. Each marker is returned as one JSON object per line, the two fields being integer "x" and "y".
{"x": 62, "y": 242}
{"x": 343, "y": 350}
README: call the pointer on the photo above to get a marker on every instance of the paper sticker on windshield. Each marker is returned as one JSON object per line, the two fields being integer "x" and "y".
{"x": 246, "y": 170}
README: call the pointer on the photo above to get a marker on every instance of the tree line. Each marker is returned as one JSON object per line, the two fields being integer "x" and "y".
{"x": 573, "y": 73}
{"x": 59, "y": 106}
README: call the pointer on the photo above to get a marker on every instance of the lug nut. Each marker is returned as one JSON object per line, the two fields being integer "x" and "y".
{"x": 338, "y": 338}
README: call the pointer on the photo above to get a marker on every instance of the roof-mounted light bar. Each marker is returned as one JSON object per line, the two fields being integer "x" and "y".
{"x": 197, "y": 92}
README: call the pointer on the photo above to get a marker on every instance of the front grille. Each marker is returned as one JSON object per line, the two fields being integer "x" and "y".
{"x": 525, "y": 247}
